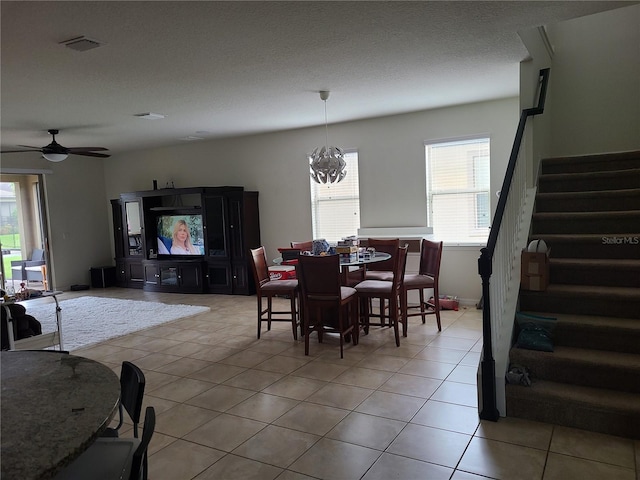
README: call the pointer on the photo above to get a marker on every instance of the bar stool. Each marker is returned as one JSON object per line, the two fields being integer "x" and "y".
{"x": 323, "y": 297}
{"x": 390, "y": 291}
{"x": 265, "y": 287}
{"x": 427, "y": 277}
{"x": 382, "y": 270}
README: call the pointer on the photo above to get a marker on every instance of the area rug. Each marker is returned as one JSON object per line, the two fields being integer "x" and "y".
{"x": 89, "y": 320}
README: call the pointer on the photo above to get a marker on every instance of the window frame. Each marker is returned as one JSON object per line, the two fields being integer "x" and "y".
{"x": 477, "y": 227}
{"x": 317, "y": 230}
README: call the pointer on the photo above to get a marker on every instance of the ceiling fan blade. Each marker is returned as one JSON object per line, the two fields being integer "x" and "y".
{"x": 91, "y": 154}
{"x": 16, "y": 151}
{"x": 86, "y": 149}
{"x": 29, "y": 146}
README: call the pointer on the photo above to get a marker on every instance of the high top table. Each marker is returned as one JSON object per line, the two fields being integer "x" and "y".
{"x": 54, "y": 406}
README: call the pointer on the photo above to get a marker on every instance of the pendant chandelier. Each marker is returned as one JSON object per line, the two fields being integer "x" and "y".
{"x": 327, "y": 164}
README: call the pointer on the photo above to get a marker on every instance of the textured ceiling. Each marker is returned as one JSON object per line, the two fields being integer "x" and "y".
{"x": 219, "y": 69}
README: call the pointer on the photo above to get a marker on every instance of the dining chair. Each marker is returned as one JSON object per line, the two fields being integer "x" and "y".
{"x": 303, "y": 246}
{"x": 267, "y": 288}
{"x": 426, "y": 278}
{"x": 382, "y": 270}
{"x": 114, "y": 458}
{"x": 329, "y": 307}
{"x": 385, "y": 291}
{"x": 132, "y": 383}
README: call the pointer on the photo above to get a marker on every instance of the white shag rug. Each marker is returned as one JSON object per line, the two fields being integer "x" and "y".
{"x": 88, "y": 320}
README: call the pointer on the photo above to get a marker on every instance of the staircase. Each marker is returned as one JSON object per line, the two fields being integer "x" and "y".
{"x": 588, "y": 212}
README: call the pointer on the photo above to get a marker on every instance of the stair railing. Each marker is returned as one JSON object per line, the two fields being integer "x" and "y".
{"x": 499, "y": 256}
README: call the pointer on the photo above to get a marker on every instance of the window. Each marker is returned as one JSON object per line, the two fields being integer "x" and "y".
{"x": 458, "y": 202}
{"x": 335, "y": 207}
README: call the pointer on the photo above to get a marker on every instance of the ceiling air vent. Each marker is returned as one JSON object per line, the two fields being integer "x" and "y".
{"x": 81, "y": 44}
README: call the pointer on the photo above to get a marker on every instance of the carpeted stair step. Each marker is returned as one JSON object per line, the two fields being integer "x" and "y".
{"x": 591, "y": 163}
{"x": 588, "y": 212}
{"x": 596, "y": 332}
{"x": 618, "y": 246}
{"x": 606, "y": 200}
{"x": 598, "y": 410}
{"x": 619, "y": 302}
{"x": 587, "y": 271}
{"x": 605, "y": 223}
{"x": 579, "y": 366}
{"x": 589, "y": 181}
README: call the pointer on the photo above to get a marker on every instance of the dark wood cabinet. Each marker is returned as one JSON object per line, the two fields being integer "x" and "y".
{"x": 230, "y": 227}
{"x": 129, "y": 273}
{"x": 183, "y": 277}
{"x": 118, "y": 223}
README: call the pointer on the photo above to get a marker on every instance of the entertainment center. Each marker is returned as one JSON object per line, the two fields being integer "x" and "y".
{"x": 186, "y": 240}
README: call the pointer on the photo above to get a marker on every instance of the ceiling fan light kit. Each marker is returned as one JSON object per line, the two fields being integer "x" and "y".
{"x": 55, "y": 157}
{"x": 327, "y": 164}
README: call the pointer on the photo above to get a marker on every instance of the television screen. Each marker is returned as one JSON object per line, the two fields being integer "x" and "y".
{"x": 180, "y": 235}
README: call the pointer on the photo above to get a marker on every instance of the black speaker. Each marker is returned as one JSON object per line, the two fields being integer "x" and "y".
{"x": 103, "y": 277}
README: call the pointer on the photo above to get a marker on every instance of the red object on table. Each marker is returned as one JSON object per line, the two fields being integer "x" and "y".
{"x": 284, "y": 272}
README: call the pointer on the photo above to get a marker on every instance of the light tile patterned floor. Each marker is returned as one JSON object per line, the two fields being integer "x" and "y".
{"x": 230, "y": 406}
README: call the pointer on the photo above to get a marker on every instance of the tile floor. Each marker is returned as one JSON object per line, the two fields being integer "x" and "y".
{"x": 230, "y": 406}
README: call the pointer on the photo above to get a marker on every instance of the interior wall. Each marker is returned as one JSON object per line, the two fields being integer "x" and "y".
{"x": 391, "y": 166}
{"x": 538, "y": 130}
{"x": 79, "y": 235}
{"x": 596, "y": 83}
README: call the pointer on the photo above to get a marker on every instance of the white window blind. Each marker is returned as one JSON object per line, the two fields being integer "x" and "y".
{"x": 458, "y": 202}
{"x": 335, "y": 207}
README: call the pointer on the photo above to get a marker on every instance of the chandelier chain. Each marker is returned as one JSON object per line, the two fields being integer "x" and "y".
{"x": 326, "y": 126}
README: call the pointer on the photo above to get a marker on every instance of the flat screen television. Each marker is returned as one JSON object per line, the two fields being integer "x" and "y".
{"x": 180, "y": 234}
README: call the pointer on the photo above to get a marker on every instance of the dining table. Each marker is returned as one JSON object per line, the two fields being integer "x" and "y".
{"x": 54, "y": 406}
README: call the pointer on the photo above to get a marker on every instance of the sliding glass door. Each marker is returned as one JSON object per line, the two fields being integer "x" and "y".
{"x": 22, "y": 232}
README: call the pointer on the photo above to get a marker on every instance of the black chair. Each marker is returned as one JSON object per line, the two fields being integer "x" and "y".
{"x": 328, "y": 306}
{"x": 114, "y": 458}
{"x": 132, "y": 384}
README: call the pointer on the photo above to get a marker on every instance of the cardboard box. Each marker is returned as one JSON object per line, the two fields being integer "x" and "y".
{"x": 282, "y": 272}
{"x": 534, "y": 271}
{"x": 346, "y": 249}
{"x": 536, "y": 283}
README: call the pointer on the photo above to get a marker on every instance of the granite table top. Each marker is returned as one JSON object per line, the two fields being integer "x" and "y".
{"x": 54, "y": 405}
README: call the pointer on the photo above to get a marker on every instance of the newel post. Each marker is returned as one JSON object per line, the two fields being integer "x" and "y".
{"x": 489, "y": 410}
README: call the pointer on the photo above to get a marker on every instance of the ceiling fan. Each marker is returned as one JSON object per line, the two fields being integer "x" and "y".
{"x": 54, "y": 152}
